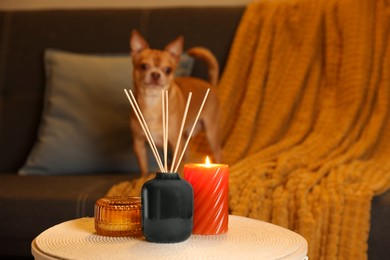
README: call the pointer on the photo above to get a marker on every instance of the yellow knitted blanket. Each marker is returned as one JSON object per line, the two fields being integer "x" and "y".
{"x": 306, "y": 105}
{"x": 305, "y": 122}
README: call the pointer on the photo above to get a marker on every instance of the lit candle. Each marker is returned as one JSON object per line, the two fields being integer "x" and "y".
{"x": 211, "y": 195}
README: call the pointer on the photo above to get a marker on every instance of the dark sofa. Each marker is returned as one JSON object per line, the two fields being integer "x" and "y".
{"x": 31, "y": 204}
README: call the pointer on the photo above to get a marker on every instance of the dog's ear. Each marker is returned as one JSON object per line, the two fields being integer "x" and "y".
{"x": 176, "y": 47}
{"x": 137, "y": 42}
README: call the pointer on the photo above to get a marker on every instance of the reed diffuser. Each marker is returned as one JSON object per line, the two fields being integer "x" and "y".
{"x": 167, "y": 200}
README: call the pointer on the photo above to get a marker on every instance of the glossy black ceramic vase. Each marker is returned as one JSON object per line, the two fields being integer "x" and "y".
{"x": 167, "y": 208}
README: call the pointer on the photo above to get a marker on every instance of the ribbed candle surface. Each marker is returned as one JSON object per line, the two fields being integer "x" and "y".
{"x": 211, "y": 194}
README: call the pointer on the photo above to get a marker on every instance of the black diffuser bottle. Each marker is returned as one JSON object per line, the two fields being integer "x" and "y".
{"x": 167, "y": 208}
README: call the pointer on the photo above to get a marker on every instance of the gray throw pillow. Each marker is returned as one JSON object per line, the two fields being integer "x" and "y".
{"x": 85, "y": 122}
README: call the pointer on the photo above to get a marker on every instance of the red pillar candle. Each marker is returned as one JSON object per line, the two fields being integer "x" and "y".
{"x": 211, "y": 195}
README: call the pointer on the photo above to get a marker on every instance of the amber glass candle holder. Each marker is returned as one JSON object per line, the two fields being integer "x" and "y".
{"x": 118, "y": 216}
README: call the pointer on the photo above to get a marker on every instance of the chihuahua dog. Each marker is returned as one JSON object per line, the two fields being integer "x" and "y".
{"x": 153, "y": 72}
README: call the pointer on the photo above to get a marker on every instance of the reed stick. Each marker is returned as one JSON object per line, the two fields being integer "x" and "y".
{"x": 165, "y": 115}
{"x": 138, "y": 113}
{"x": 181, "y": 130}
{"x": 192, "y": 129}
{"x": 165, "y": 118}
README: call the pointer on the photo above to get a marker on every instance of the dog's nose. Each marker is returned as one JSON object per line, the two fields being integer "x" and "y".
{"x": 155, "y": 75}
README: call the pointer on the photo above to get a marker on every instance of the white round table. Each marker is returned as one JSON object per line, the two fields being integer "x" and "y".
{"x": 246, "y": 239}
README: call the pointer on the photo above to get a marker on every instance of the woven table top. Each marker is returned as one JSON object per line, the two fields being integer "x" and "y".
{"x": 246, "y": 239}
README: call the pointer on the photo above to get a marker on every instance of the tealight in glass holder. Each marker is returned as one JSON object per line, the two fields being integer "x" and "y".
{"x": 118, "y": 216}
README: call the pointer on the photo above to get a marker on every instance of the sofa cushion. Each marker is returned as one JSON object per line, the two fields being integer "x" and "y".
{"x": 31, "y": 204}
{"x": 85, "y": 124}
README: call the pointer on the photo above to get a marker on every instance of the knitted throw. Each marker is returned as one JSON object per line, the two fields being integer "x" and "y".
{"x": 305, "y": 100}
{"x": 306, "y": 123}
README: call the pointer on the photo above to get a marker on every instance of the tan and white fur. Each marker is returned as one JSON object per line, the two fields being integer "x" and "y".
{"x": 154, "y": 72}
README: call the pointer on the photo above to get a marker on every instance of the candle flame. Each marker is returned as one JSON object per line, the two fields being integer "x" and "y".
{"x": 208, "y": 162}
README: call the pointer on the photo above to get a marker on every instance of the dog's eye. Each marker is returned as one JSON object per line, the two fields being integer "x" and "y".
{"x": 168, "y": 70}
{"x": 144, "y": 66}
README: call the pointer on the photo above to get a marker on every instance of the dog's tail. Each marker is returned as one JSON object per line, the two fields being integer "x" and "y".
{"x": 211, "y": 61}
